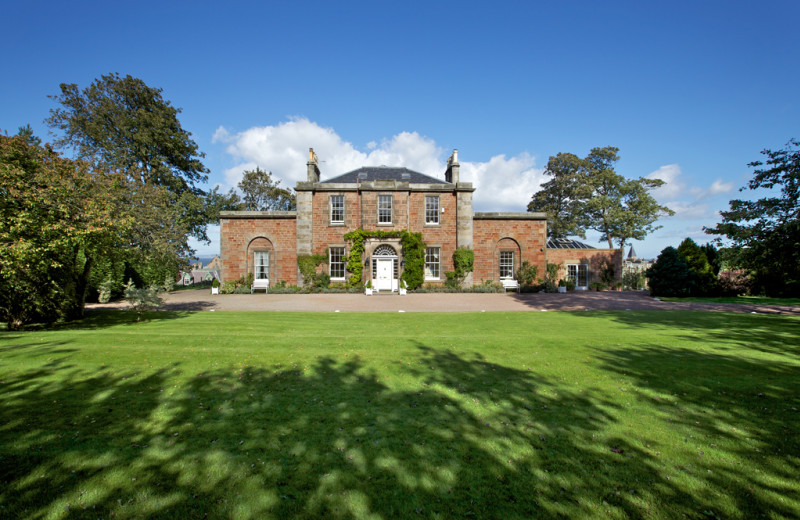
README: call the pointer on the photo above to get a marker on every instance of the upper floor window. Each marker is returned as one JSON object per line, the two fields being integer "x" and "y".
{"x": 506, "y": 264}
{"x": 337, "y": 209}
{"x": 431, "y": 210}
{"x": 336, "y": 263}
{"x": 384, "y": 209}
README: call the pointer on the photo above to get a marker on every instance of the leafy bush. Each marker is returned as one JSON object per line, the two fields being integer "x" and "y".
{"x": 144, "y": 299}
{"x": 598, "y": 286}
{"x": 670, "y": 275}
{"x": 634, "y": 280}
{"x": 228, "y": 287}
{"x": 607, "y": 273}
{"x": 735, "y": 282}
{"x": 705, "y": 281}
{"x": 549, "y": 286}
{"x": 526, "y": 274}
{"x": 215, "y": 283}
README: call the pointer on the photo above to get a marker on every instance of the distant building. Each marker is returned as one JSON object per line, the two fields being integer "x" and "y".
{"x": 634, "y": 264}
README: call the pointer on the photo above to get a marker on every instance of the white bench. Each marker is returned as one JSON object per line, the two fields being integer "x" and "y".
{"x": 262, "y": 283}
{"x": 509, "y": 283}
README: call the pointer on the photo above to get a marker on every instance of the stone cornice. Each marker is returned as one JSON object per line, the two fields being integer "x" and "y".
{"x": 257, "y": 214}
{"x": 509, "y": 216}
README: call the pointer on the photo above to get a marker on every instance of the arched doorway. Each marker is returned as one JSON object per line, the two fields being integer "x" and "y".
{"x": 384, "y": 268}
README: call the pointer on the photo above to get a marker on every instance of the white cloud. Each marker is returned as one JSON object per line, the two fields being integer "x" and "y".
{"x": 686, "y": 201}
{"x": 502, "y": 184}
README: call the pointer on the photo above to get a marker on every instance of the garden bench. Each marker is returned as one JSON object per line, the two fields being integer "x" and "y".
{"x": 510, "y": 283}
{"x": 262, "y": 283}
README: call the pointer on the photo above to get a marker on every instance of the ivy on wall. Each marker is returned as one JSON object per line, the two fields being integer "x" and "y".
{"x": 308, "y": 265}
{"x": 413, "y": 254}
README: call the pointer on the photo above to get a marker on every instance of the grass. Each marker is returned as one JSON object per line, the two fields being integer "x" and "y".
{"x": 747, "y": 300}
{"x": 367, "y": 416}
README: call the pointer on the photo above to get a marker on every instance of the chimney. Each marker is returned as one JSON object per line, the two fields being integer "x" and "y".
{"x": 313, "y": 166}
{"x": 451, "y": 175}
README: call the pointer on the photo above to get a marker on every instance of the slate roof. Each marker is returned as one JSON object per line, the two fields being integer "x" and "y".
{"x": 632, "y": 253}
{"x": 566, "y": 243}
{"x": 384, "y": 173}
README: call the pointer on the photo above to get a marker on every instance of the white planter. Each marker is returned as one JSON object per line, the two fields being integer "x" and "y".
{"x": 562, "y": 289}
{"x": 402, "y": 291}
{"x": 215, "y": 290}
{"x": 368, "y": 291}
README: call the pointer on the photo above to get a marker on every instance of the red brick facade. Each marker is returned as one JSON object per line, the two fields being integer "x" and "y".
{"x": 527, "y": 239}
{"x": 241, "y": 236}
{"x": 517, "y": 237}
{"x": 594, "y": 258}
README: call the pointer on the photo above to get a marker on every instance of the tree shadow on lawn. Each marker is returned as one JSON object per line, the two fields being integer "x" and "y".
{"x": 764, "y": 333}
{"x": 452, "y": 436}
{"x": 725, "y": 408}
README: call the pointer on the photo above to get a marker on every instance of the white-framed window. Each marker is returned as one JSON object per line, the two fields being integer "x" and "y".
{"x": 336, "y": 263}
{"x": 578, "y": 274}
{"x": 337, "y": 209}
{"x": 506, "y": 264}
{"x": 432, "y": 255}
{"x": 384, "y": 209}
{"x": 431, "y": 209}
{"x": 261, "y": 265}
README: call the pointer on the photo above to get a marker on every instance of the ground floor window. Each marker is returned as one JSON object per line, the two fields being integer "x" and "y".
{"x": 578, "y": 274}
{"x": 261, "y": 265}
{"x": 506, "y": 264}
{"x": 336, "y": 263}
{"x": 432, "y": 263}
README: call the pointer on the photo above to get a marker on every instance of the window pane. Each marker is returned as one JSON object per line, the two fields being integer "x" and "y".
{"x": 506, "y": 264}
{"x": 384, "y": 209}
{"x": 336, "y": 265}
{"x": 432, "y": 263}
{"x": 337, "y": 208}
{"x": 431, "y": 210}
{"x": 261, "y": 265}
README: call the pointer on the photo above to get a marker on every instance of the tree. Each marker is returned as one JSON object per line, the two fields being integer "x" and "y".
{"x": 56, "y": 217}
{"x": 670, "y": 275}
{"x": 620, "y": 209}
{"x": 589, "y": 194}
{"x": 261, "y": 193}
{"x": 26, "y": 132}
{"x": 563, "y": 196}
{"x": 124, "y": 125}
{"x": 766, "y": 232}
{"x": 705, "y": 281}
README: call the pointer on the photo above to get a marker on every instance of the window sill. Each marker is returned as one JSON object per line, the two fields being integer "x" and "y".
{"x": 336, "y": 224}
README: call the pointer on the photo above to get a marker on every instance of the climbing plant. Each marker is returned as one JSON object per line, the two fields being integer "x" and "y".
{"x": 413, "y": 254}
{"x": 308, "y": 266}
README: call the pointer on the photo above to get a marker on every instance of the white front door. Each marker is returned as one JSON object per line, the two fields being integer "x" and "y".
{"x": 385, "y": 273}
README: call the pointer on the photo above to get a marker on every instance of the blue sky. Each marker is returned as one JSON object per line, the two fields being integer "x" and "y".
{"x": 689, "y": 91}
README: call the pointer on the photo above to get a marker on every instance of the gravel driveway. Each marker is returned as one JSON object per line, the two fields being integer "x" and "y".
{"x": 442, "y": 302}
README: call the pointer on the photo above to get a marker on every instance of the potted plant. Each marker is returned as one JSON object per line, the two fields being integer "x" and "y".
{"x": 215, "y": 286}
{"x": 368, "y": 288}
{"x": 403, "y": 287}
{"x": 598, "y": 286}
{"x": 562, "y": 286}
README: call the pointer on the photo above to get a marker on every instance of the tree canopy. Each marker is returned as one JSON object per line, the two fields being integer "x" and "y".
{"x": 124, "y": 125}
{"x": 589, "y": 194}
{"x": 261, "y": 193}
{"x": 56, "y": 217}
{"x": 562, "y": 196}
{"x": 766, "y": 231}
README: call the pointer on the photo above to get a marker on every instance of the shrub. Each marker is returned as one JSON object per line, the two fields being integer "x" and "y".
{"x": 670, "y": 275}
{"x": 228, "y": 287}
{"x": 549, "y": 286}
{"x": 598, "y": 286}
{"x": 526, "y": 274}
{"x": 634, "y": 280}
{"x": 144, "y": 299}
{"x": 735, "y": 282}
{"x": 215, "y": 283}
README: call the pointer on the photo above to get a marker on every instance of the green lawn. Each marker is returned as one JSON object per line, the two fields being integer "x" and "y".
{"x": 487, "y": 415}
{"x": 748, "y": 300}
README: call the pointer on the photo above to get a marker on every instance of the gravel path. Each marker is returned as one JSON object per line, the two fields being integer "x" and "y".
{"x": 442, "y": 302}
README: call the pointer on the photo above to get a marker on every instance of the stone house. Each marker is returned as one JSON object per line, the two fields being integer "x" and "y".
{"x": 375, "y": 198}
